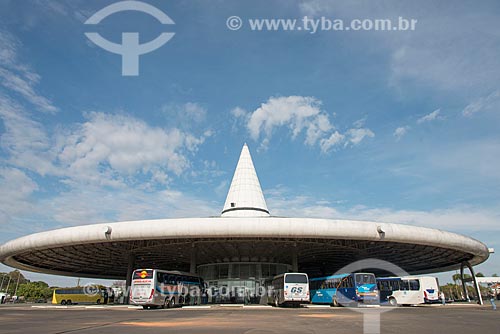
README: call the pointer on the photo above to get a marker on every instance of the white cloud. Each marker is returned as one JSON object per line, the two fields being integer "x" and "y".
{"x": 16, "y": 189}
{"x": 8, "y": 49}
{"x": 454, "y": 219}
{"x": 335, "y": 139}
{"x": 113, "y": 167}
{"x": 483, "y": 103}
{"x": 356, "y": 136}
{"x": 95, "y": 204}
{"x": 108, "y": 144}
{"x": 459, "y": 218}
{"x": 429, "y": 117}
{"x": 301, "y": 115}
{"x": 106, "y": 149}
{"x": 298, "y": 113}
{"x": 25, "y": 140}
{"x": 239, "y": 112}
{"x": 400, "y": 132}
{"x": 185, "y": 115}
{"x": 441, "y": 53}
{"x": 222, "y": 188}
{"x": 17, "y": 77}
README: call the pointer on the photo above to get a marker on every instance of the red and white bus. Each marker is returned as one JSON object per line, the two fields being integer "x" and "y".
{"x": 153, "y": 288}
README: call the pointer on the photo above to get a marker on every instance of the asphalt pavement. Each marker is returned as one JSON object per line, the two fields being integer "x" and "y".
{"x": 42, "y": 319}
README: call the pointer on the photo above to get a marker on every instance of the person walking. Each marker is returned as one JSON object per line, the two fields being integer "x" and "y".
{"x": 443, "y": 298}
{"x": 491, "y": 296}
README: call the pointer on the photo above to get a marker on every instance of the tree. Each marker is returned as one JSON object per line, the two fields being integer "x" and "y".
{"x": 10, "y": 281}
{"x": 494, "y": 275}
{"x": 457, "y": 277}
{"x": 479, "y": 275}
{"x": 34, "y": 290}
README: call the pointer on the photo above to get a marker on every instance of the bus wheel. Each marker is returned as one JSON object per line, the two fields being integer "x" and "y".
{"x": 172, "y": 302}
{"x": 393, "y": 302}
{"x": 165, "y": 303}
{"x": 144, "y": 307}
{"x": 98, "y": 301}
{"x": 63, "y": 302}
{"x": 335, "y": 302}
{"x": 68, "y": 302}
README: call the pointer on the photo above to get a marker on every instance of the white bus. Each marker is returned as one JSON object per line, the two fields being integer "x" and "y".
{"x": 289, "y": 288}
{"x": 153, "y": 288}
{"x": 408, "y": 290}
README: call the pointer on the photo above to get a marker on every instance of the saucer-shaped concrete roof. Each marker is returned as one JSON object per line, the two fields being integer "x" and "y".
{"x": 321, "y": 245}
{"x": 246, "y": 234}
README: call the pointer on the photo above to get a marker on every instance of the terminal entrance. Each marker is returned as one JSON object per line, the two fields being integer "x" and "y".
{"x": 239, "y": 282}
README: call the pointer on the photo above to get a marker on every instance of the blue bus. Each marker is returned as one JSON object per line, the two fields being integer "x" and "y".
{"x": 345, "y": 289}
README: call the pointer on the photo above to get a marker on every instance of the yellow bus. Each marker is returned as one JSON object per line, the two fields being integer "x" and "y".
{"x": 68, "y": 296}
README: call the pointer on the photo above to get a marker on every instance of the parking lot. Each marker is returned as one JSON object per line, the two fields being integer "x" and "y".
{"x": 109, "y": 319}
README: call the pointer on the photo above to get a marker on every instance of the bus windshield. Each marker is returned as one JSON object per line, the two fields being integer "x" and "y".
{"x": 365, "y": 279}
{"x": 143, "y": 274}
{"x": 296, "y": 278}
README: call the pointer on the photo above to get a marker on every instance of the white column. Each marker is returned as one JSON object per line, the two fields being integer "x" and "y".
{"x": 192, "y": 263}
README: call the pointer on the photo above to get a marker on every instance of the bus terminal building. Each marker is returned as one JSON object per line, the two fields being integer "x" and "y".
{"x": 242, "y": 247}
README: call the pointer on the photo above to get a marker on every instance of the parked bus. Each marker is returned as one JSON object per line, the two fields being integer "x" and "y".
{"x": 345, "y": 289}
{"x": 409, "y": 290}
{"x": 288, "y": 289}
{"x": 80, "y": 295}
{"x": 154, "y": 288}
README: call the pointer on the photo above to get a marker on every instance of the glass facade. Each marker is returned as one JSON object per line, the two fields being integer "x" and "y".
{"x": 238, "y": 282}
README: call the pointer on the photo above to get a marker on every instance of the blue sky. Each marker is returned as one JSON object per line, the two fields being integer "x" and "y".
{"x": 393, "y": 126}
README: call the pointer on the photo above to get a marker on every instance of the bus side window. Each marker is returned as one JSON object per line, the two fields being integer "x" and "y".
{"x": 414, "y": 285}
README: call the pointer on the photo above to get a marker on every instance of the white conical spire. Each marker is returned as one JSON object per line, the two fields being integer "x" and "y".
{"x": 245, "y": 198}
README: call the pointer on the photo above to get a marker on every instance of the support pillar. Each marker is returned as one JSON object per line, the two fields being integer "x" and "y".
{"x": 462, "y": 278}
{"x": 295, "y": 260}
{"x": 8, "y": 285}
{"x": 128, "y": 279}
{"x": 474, "y": 280}
{"x": 192, "y": 262}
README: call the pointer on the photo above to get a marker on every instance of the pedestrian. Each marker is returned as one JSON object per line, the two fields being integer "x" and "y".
{"x": 443, "y": 298}
{"x": 491, "y": 296}
{"x": 105, "y": 296}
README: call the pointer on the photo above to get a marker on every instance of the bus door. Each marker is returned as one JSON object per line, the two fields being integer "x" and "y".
{"x": 345, "y": 291}
{"x": 324, "y": 291}
{"x": 385, "y": 287}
